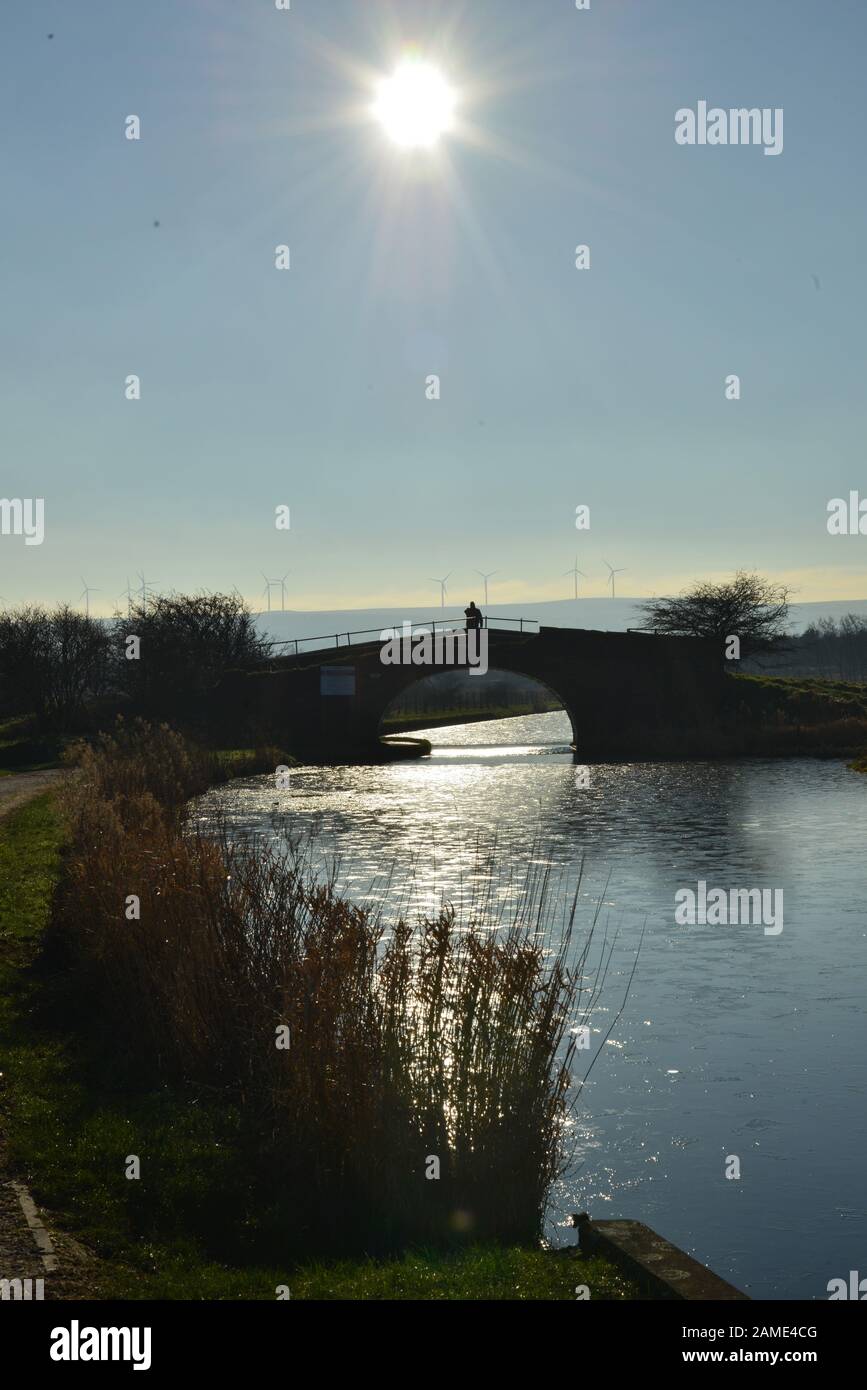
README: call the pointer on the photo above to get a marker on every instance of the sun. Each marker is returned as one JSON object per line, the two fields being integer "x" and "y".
{"x": 415, "y": 105}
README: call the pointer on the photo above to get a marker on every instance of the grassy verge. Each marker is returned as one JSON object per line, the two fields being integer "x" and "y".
{"x": 793, "y": 716}
{"x": 824, "y": 689}
{"x": 71, "y": 1122}
{"x": 481, "y": 1273}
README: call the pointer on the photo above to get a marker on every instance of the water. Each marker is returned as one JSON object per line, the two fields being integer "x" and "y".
{"x": 732, "y": 1042}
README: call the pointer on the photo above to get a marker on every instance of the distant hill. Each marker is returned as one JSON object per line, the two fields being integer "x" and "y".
{"x": 602, "y": 614}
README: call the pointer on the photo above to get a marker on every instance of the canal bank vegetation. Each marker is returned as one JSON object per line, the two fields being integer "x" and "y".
{"x": 65, "y": 675}
{"x": 296, "y": 1086}
{"x": 796, "y": 716}
{"x": 358, "y": 1067}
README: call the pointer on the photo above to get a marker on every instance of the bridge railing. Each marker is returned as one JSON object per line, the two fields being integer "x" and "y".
{"x": 297, "y": 645}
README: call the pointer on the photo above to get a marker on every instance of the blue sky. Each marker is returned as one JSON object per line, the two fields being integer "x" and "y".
{"x": 307, "y": 387}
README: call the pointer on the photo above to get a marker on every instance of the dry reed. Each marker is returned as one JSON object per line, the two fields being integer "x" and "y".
{"x": 434, "y": 1040}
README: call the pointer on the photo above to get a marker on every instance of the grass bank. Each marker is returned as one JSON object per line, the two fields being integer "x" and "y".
{"x": 85, "y": 1089}
{"x": 794, "y": 716}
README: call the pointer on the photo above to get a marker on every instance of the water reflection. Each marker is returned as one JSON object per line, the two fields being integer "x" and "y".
{"x": 731, "y": 1042}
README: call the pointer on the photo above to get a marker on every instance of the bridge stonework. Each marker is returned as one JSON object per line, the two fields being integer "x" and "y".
{"x": 628, "y": 695}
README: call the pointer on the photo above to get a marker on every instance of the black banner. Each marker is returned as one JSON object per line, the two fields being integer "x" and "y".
{"x": 160, "y": 1339}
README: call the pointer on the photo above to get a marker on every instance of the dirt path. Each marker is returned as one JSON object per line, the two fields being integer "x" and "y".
{"x": 22, "y": 787}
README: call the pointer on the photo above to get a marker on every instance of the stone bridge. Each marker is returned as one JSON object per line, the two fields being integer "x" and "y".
{"x": 627, "y": 694}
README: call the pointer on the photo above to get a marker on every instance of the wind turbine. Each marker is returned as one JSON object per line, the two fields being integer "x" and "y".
{"x": 127, "y": 592}
{"x": 272, "y": 584}
{"x": 442, "y": 584}
{"x": 611, "y": 574}
{"x": 486, "y": 577}
{"x": 85, "y": 594}
{"x": 145, "y": 589}
{"x": 575, "y": 571}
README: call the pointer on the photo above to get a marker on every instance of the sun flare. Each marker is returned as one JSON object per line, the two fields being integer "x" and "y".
{"x": 416, "y": 105}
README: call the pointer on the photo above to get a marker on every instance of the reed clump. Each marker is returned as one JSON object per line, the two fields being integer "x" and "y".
{"x": 396, "y": 1087}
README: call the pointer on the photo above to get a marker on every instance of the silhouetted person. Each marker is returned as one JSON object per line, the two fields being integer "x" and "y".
{"x": 473, "y": 616}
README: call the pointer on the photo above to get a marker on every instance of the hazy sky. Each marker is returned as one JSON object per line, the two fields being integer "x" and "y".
{"x": 306, "y": 387}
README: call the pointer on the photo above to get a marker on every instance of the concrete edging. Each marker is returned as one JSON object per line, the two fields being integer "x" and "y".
{"x": 651, "y": 1261}
{"x": 41, "y": 1238}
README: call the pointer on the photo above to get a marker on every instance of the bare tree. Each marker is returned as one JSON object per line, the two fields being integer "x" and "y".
{"x": 832, "y": 648}
{"x": 747, "y": 606}
{"x": 51, "y": 662}
{"x": 186, "y": 642}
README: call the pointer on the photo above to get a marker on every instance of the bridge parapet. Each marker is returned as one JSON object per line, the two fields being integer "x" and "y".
{"x": 373, "y": 635}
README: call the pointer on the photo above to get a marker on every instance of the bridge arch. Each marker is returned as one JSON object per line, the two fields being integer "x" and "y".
{"x": 479, "y": 686}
